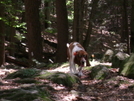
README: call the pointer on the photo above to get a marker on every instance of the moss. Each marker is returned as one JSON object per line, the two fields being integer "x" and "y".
{"x": 27, "y": 80}
{"x": 127, "y": 68}
{"x": 99, "y": 72}
{"x": 26, "y": 94}
{"x": 24, "y": 73}
{"x": 87, "y": 68}
{"x": 44, "y": 74}
{"x": 65, "y": 79}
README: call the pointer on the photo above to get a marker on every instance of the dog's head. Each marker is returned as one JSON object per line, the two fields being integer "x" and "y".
{"x": 80, "y": 57}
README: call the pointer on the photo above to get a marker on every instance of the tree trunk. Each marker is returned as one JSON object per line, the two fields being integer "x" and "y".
{"x": 2, "y": 38}
{"x": 132, "y": 28}
{"x": 90, "y": 25}
{"x": 78, "y": 20}
{"x": 33, "y": 29}
{"x": 47, "y": 13}
{"x": 62, "y": 27}
{"x": 125, "y": 33}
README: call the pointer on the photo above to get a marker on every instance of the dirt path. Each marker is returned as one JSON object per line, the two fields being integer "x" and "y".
{"x": 116, "y": 88}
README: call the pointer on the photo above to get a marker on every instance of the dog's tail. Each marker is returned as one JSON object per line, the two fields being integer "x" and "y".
{"x": 67, "y": 44}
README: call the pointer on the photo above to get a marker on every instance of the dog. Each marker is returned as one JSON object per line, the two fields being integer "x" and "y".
{"x": 77, "y": 55}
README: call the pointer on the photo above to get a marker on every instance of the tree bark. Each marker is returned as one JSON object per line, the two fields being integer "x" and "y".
{"x": 2, "y": 36}
{"x": 132, "y": 28}
{"x": 62, "y": 27}
{"x": 125, "y": 32}
{"x": 78, "y": 20}
{"x": 33, "y": 29}
{"x": 90, "y": 25}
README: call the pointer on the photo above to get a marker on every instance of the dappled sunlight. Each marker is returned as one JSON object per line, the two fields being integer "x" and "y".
{"x": 65, "y": 67}
{"x": 60, "y": 69}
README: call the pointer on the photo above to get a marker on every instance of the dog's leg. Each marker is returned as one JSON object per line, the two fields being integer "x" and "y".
{"x": 71, "y": 66}
{"x": 80, "y": 71}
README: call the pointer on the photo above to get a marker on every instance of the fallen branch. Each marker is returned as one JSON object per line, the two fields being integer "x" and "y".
{"x": 15, "y": 61}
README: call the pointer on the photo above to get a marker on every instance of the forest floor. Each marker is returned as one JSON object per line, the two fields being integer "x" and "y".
{"x": 116, "y": 88}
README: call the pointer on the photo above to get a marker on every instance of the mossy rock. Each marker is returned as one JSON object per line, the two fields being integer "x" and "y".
{"x": 24, "y": 73}
{"x": 65, "y": 79}
{"x": 127, "y": 68}
{"x": 26, "y": 94}
{"x": 108, "y": 56}
{"x": 118, "y": 59}
{"x": 26, "y": 80}
{"x": 99, "y": 72}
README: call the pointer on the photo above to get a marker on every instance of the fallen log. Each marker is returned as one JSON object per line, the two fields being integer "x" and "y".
{"x": 15, "y": 61}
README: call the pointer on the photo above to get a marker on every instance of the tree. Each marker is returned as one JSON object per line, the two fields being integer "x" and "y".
{"x": 125, "y": 33}
{"x": 132, "y": 28}
{"x": 2, "y": 35}
{"x": 11, "y": 33}
{"x": 78, "y": 20}
{"x": 90, "y": 25}
{"x": 62, "y": 27}
{"x": 33, "y": 29}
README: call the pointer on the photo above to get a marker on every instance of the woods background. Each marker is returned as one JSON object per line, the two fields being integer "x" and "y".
{"x": 38, "y": 30}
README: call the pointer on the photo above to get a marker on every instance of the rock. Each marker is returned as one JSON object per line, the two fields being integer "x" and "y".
{"x": 99, "y": 72}
{"x": 108, "y": 56}
{"x": 24, "y": 73}
{"x": 26, "y": 94}
{"x": 118, "y": 59}
{"x": 127, "y": 68}
{"x": 25, "y": 80}
{"x": 66, "y": 79}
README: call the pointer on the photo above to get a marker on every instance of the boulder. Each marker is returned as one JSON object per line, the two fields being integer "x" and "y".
{"x": 32, "y": 93}
{"x": 24, "y": 73}
{"x": 127, "y": 68}
{"x": 108, "y": 56}
{"x": 66, "y": 79}
{"x": 118, "y": 59}
{"x": 99, "y": 72}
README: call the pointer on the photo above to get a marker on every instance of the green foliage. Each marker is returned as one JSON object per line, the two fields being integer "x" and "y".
{"x": 70, "y": 10}
{"x": 51, "y": 30}
{"x": 11, "y": 18}
{"x": 20, "y": 36}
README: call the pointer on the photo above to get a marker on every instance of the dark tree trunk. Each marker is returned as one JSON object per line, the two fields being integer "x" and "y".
{"x": 90, "y": 25}
{"x": 2, "y": 38}
{"x": 33, "y": 29}
{"x": 132, "y": 28}
{"x": 62, "y": 27}
{"x": 47, "y": 13}
{"x": 78, "y": 20}
{"x": 125, "y": 32}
